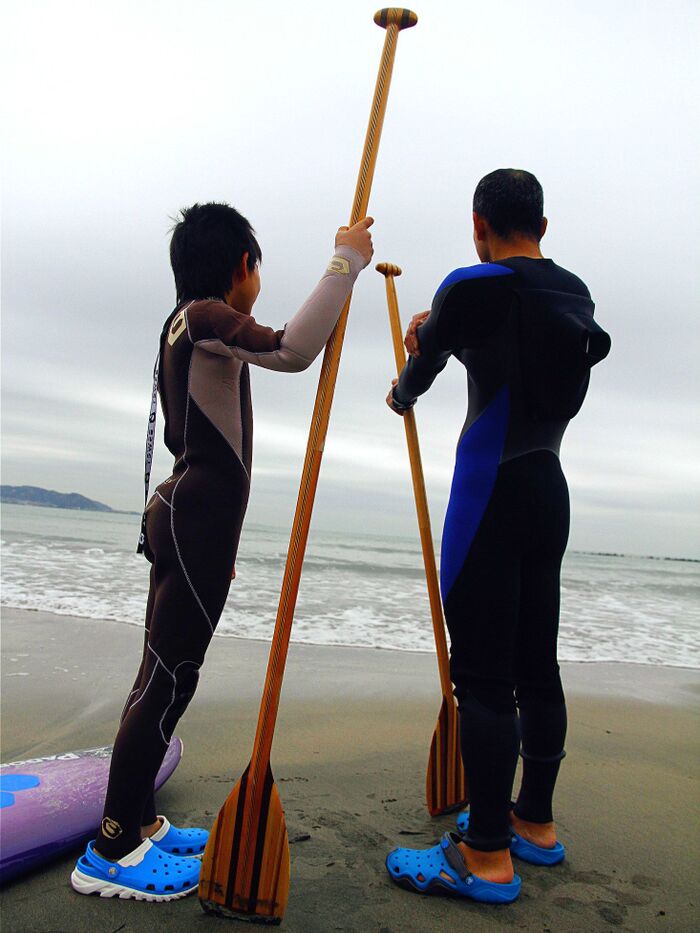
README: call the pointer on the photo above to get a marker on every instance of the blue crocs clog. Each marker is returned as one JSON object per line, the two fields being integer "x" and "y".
{"x": 146, "y": 874}
{"x": 442, "y": 870}
{"x": 521, "y": 848}
{"x": 187, "y": 843}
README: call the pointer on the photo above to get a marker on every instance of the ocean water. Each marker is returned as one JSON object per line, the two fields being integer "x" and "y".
{"x": 366, "y": 591}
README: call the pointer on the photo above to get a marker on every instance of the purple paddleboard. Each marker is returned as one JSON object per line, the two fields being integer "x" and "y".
{"x": 48, "y": 805}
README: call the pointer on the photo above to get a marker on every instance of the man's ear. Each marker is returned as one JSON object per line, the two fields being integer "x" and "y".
{"x": 543, "y": 228}
{"x": 241, "y": 272}
{"x": 479, "y": 227}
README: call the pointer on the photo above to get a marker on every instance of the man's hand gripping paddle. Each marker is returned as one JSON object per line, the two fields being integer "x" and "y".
{"x": 445, "y": 783}
{"x": 245, "y": 869}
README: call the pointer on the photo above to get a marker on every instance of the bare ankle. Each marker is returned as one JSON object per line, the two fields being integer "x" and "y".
{"x": 151, "y": 829}
{"x": 489, "y": 866}
{"x": 540, "y": 834}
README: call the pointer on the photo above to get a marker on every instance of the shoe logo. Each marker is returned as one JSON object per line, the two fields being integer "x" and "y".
{"x": 110, "y": 828}
{"x": 112, "y": 872}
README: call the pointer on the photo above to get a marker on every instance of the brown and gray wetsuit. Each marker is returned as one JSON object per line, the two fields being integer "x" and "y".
{"x": 193, "y": 521}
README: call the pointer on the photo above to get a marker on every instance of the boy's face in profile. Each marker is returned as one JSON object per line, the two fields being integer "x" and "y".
{"x": 245, "y": 287}
{"x": 252, "y": 286}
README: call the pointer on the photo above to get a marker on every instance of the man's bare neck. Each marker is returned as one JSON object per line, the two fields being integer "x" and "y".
{"x": 522, "y": 246}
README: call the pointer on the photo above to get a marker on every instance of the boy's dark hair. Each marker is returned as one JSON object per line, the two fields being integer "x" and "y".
{"x": 207, "y": 245}
{"x": 511, "y": 200}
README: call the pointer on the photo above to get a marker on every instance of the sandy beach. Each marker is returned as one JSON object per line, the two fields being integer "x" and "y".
{"x": 349, "y": 759}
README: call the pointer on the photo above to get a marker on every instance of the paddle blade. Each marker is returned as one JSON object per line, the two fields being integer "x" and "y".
{"x": 446, "y": 786}
{"x": 245, "y": 867}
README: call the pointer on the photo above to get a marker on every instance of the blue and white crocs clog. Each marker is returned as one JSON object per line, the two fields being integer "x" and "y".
{"x": 187, "y": 843}
{"x": 146, "y": 874}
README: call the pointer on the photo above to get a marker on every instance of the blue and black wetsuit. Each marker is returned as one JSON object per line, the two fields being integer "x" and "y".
{"x": 523, "y": 329}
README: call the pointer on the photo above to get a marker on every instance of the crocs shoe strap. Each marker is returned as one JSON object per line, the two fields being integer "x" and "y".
{"x": 163, "y": 831}
{"x": 106, "y": 866}
{"x": 454, "y": 857}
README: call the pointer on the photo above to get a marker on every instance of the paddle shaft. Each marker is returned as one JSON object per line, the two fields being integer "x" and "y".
{"x": 312, "y": 463}
{"x": 409, "y": 420}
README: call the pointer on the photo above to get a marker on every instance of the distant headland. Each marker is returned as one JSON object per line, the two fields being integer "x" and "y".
{"x": 49, "y": 498}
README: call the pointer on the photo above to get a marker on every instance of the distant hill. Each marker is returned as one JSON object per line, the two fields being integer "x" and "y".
{"x": 35, "y": 495}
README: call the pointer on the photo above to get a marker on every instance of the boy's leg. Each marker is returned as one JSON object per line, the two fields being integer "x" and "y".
{"x": 189, "y": 585}
{"x": 149, "y": 811}
{"x": 174, "y": 654}
{"x": 139, "y": 748}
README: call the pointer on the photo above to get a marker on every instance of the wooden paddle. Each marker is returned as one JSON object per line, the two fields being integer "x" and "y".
{"x": 445, "y": 784}
{"x": 245, "y": 869}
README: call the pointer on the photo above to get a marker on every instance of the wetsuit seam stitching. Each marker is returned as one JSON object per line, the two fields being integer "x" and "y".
{"x": 164, "y": 500}
{"x": 150, "y": 680}
{"x": 187, "y": 325}
{"x": 127, "y": 707}
{"x": 286, "y": 347}
{"x": 173, "y": 674}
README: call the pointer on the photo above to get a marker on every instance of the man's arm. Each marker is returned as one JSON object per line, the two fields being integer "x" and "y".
{"x": 420, "y": 371}
{"x": 468, "y": 307}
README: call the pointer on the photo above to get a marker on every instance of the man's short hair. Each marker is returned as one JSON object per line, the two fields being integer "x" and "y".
{"x": 206, "y": 248}
{"x": 511, "y": 200}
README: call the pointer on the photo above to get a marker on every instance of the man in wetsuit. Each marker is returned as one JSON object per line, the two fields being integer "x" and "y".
{"x": 192, "y": 523}
{"x": 523, "y": 328}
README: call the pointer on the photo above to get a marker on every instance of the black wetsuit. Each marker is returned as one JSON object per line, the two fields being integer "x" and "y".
{"x": 516, "y": 327}
{"x": 192, "y": 523}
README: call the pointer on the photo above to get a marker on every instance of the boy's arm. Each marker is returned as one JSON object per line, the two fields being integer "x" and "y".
{"x": 223, "y": 330}
{"x": 308, "y": 331}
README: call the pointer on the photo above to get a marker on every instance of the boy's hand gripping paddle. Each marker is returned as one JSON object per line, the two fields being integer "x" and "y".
{"x": 245, "y": 869}
{"x": 445, "y": 782}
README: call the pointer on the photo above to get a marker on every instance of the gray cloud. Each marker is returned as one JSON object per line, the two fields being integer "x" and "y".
{"x": 122, "y": 113}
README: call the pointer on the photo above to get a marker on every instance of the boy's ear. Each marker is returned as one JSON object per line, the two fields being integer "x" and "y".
{"x": 242, "y": 272}
{"x": 479, "y": 226}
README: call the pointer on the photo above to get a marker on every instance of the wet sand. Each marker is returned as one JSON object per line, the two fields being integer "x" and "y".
{"x": 349, "y": 759}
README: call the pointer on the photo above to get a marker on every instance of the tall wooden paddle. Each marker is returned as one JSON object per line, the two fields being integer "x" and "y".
{"x": 245, "y": 869}
{"x": 445, "y": 784}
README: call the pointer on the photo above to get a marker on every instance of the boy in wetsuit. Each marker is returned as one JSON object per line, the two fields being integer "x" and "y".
{"x": 523, "y": 328}
{"x": 192, "y": 523}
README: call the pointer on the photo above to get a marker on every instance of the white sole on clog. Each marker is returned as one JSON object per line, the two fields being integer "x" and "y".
{"x": 86, "y": 884}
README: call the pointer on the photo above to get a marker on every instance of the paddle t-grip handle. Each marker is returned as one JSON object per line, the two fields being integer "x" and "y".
{"x": 388, "y": 269}
{"x": 395, "y": 16}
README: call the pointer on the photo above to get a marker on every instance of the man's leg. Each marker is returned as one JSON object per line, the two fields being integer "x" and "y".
{"x": 539, "y": 692}
{"x": 481, "y": 611}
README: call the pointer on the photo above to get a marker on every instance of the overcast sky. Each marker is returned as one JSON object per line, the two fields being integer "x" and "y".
{"x": 119, "y": 114}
